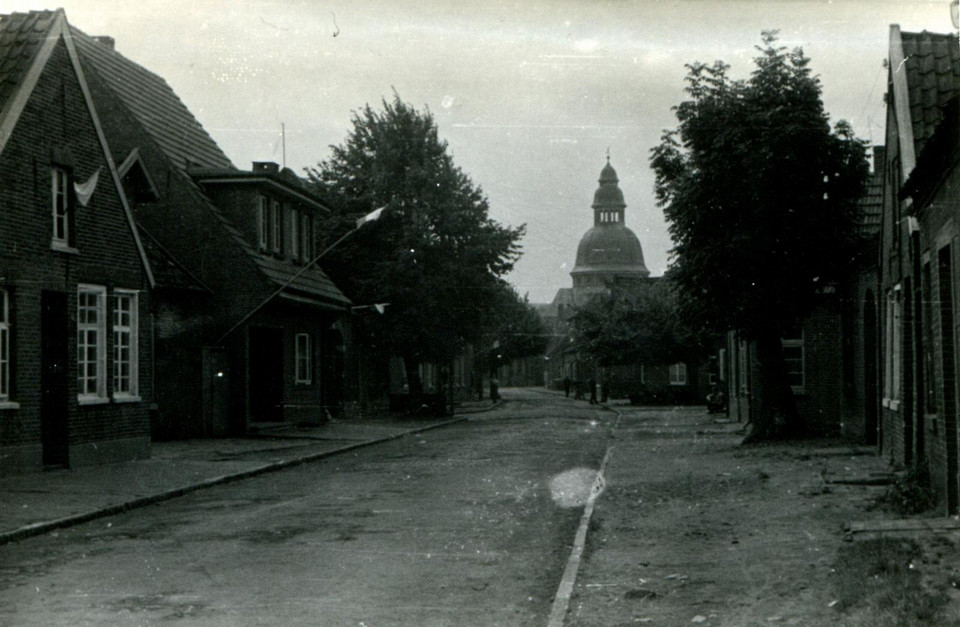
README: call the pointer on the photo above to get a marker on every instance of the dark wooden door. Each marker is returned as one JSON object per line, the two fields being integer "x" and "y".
{"x": 54, "y": 334}
{"x": 266, "y": 374}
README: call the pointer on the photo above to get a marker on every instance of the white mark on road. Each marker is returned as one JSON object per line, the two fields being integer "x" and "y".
{"x": 573, "y": 487}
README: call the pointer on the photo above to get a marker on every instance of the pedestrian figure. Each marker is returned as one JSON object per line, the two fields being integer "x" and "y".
{"x": 593, "y": 391}
{"x": 494, "y": 389}
{"x": 566, "y": 386}
{"x": 715, "y": 401}
{"x": 578, "y": 390}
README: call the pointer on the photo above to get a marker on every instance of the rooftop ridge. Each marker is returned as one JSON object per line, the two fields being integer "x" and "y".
{"x": 154, "y": 103}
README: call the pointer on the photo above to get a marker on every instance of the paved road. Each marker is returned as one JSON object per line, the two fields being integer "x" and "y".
{"x": 467, "y": 525}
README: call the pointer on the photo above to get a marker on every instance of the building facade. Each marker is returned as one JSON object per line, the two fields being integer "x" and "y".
{"x": 75, "y": 333}
{"x": 245, "y": 317}
{"x": 610, "y": 259}
{"x": 919, "y": 285}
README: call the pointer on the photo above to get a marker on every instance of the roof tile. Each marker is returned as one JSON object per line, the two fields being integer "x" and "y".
{"x": 20, "y": 37}
{"x": 933, "y": 78}
{"x": 160, "y": 111}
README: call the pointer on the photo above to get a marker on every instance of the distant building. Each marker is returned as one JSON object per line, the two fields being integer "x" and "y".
{"x": 610, "y": 258}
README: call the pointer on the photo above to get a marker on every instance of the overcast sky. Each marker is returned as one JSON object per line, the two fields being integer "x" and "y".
{"x": 529, "y": 95}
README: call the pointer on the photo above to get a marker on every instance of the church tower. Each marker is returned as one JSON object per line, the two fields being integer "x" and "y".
{"x": 609, "y": 253}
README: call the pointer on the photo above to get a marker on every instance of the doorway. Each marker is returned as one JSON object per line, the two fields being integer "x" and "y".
{"x": 216, "y": 391}
{"x": 266, "y": 374}
{"x": 53, "y": 377}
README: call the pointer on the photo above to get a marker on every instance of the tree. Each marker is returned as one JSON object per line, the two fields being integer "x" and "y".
{"x": 637, "y": 325}
{"x": 761, "y": 198}
{"x": 434, "y": 255}
{"x": 513, "y": 327}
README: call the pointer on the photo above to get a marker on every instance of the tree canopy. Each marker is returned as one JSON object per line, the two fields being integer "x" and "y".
{"x": 637, "y": 325}
{"x": 761, "y": 199}
{"x": 434, "y": 255}
{"x": 514, "y": 327}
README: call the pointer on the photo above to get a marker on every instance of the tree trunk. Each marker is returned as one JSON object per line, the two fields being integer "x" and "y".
{"x": 414, "y": 384}
{"x": 777, "y": 415}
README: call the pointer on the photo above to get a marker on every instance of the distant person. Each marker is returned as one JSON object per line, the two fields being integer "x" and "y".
{"x": 715, "y": 401}
{"x": 578, "y": 390}
{"x": 593, "y": 391}
{"x": 494, "y": 389}
{"x": 566, "y": 386}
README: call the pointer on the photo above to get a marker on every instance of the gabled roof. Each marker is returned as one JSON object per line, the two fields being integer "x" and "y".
{"x": 155, "y": 105}
{"x": 166, "y": 121}
{"x": 22, "y": 36}
{"x": 871, "y": 206}
{"x": 939, "y": 155}
{"x": 27, "y": 41}
{"x": 925, "y": 74}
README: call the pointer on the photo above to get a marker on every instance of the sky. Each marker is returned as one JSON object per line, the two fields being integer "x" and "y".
{"x": 530, "y": 95}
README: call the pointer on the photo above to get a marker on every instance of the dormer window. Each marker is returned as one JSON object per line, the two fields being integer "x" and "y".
{"x": 263, "y": 222}
{"x": 276, "y": 221}
{"x": 293, "y": 220}
{"x": 306, "y": 237}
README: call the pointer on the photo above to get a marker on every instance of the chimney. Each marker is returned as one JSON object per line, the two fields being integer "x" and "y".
{"x": 106, "y": 41}
{"x": 879, "y": 157}
{"x": 266, "y": 167}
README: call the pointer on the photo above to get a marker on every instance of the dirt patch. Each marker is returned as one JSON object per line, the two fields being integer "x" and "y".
{"x": 704, "y": 530}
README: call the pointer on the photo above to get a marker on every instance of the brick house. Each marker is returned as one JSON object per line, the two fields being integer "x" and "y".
{"x": 813, "y": 356}
{"x": 919, "y": 257}
{"x": 244, "y": 320}
{"x": 75, "y": 343}
{"x": 831, "y": 356}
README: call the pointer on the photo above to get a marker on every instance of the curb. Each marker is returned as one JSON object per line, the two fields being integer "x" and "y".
{"x": 41, "y": 528}
{"x": 561, "y": 600}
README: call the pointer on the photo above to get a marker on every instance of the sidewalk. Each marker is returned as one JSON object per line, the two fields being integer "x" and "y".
{"x": 35, "y": 503}
{"x": 692, "y": 527}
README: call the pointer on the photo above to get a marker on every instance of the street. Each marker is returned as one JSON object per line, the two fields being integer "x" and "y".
{"x": 476, "y": 523}
{"x": 454, "y": 526}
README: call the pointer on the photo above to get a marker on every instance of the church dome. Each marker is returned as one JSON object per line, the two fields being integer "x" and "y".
{"x": 609, "y": 251}
{"x": 610, "y": 248}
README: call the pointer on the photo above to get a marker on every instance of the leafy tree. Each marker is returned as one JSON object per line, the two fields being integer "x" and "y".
{"x": 761, "y": 199}
{"x": 514, "y": 327}
{"x": 637, "y": 325}
{"x": 434, "y": 255}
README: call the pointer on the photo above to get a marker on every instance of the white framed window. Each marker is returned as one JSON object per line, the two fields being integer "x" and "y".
{"x": 276, "y": 230}
{"x": 293, "y": 226}
{"x": 793, "y": 361}
{"x": 304, "y": 358}
{"x": 263, "y": 221}
{"x": 91, "y": 343}
{"x": 678, "y": 374}
{"x": 4, "y": 346}
{"x": 60, "y": 192}
{"x": 125, "y": 345}
{"x": 892, "y": 349}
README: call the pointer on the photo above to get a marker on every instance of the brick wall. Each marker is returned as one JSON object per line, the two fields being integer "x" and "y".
{"x": 939, "y": 229}
{"x": 819, "y": 404}
{"x": 56, "y": 125}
